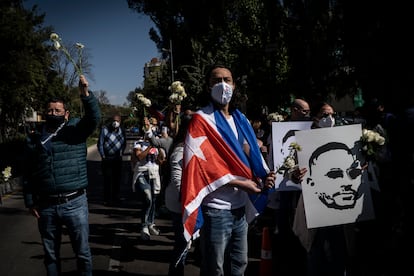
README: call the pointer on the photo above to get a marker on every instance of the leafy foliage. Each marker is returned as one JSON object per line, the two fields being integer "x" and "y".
{"x": 24, "y": 66}
{"x": 313, "y": 49}
{"x": 31, "y": 72}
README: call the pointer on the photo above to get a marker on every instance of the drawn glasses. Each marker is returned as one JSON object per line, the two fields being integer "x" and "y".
{"x": 351, "y": 172}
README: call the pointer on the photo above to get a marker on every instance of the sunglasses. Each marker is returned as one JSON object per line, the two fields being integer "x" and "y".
{"x": 324, "y": 115}
{"x": 303, "y": 111}
{"x": 351, "y": 172}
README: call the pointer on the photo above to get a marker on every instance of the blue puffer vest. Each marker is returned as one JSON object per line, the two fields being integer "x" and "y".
{"x": 60, "y": 166}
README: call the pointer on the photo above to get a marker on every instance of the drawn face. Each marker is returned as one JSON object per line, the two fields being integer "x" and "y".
{"x": 336, "y": 177}
{"x": 285, "y": 146}
{"x": 284, "y": 150}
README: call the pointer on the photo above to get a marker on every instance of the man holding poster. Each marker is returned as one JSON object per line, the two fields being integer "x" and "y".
{"x": 332, "y": 189}
{"x": 333, "y": 195}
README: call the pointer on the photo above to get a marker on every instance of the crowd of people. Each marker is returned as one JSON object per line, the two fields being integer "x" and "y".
{"x": 368, "y": 247}
{"x": 208, "y": 166}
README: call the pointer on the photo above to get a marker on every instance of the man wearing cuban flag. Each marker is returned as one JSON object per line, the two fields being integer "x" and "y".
{"x": 225, "y": 179}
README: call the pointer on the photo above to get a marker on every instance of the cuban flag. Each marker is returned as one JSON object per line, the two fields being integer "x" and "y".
{"x": 213, "y": 156}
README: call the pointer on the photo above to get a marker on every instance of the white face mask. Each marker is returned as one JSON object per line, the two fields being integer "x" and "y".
{"x": 327, "y": 121}
{"x": 115, "y": 124}
{"x": 222, "y": 93}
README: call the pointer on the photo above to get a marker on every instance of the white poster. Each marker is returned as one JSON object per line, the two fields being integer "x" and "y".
{"x": 283, "y": 134}
{"x": 333, "y": 188}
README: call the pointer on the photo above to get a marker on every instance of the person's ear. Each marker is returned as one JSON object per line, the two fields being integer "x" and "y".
{"x": 67, "y": 115}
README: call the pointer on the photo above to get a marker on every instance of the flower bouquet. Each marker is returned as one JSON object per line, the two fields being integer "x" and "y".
{"x": 6, "y": 175}
{"x": 177, "y": 92}
{"x": 146, "y": 103}
{"x": 372, "y": 143}
{"x": 58, "y": 45}
{"x": 275, "y": 117}
{"x": 177, "y": 96}
{"x": 290, "y": 162}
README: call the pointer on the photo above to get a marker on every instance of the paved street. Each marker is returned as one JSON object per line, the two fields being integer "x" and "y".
{"x": 114, "y": 236}
{"x": 119, "y": 228}
{"x": 118, "y": 250}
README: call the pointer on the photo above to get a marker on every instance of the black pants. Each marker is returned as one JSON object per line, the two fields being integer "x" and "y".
{"x": 112, "y": 173}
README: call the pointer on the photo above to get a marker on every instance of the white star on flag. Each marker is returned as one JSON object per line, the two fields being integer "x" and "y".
{"x": 193, "y": 147}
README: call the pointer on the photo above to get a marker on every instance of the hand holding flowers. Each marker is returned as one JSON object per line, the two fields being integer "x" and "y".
{"x": 177, "y": 96}
{"x": 58, "y": 45}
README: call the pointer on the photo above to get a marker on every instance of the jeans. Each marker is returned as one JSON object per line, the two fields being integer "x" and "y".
{"x": 148, "y": 199}
{"x": 180, "y": 244}
{"x": 223, "y": 239}
{"x": 74, "y": 215}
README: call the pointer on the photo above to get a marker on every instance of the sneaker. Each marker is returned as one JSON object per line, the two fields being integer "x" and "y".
{"x": 145, "y": 235}
{"x": 153, "y": 230}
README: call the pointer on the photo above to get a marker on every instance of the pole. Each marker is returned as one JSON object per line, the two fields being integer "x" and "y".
{"x": 172, "y": 61}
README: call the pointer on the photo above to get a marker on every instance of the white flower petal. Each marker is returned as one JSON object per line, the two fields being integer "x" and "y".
{"x": 57, "y": 45}
{"x": 54, "y": 37}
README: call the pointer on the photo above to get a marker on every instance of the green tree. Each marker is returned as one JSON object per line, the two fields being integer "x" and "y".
{"x": 25, "y": 61}
{"x": 313, "y": 49}
{"x": 235, "y": 33}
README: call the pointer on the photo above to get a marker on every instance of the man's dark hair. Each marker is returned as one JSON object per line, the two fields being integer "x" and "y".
{"x": 325, "y": 148}
{"x": 210, "y": 69}
{"x": 289, "y": 134}
{"x": 57, "y": 100}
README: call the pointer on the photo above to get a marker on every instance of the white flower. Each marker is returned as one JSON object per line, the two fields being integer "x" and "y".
{"x": 79, "y": 45}
{"x": 144, "y": 101}
{"x": 54, "y": 37}
{"x": 290, "y": 160}
{"x": 7, "y": 173}
{"x": 372, "y": 141}
{"x": 177, "y": 92}
{"x": 275, "y": 117}
{"x": 147, "y": 102}
{"x": 58, "y": 45}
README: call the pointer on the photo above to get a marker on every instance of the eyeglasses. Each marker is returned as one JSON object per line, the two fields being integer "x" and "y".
{"x": 324, "y": 115}
{"x": 58, "y": 112}
{"x": 351, "y": 172}
{"x": 303, "y": 111}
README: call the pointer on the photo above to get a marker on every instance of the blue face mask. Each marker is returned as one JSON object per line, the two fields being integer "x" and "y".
{"x": 221, "y": 93}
